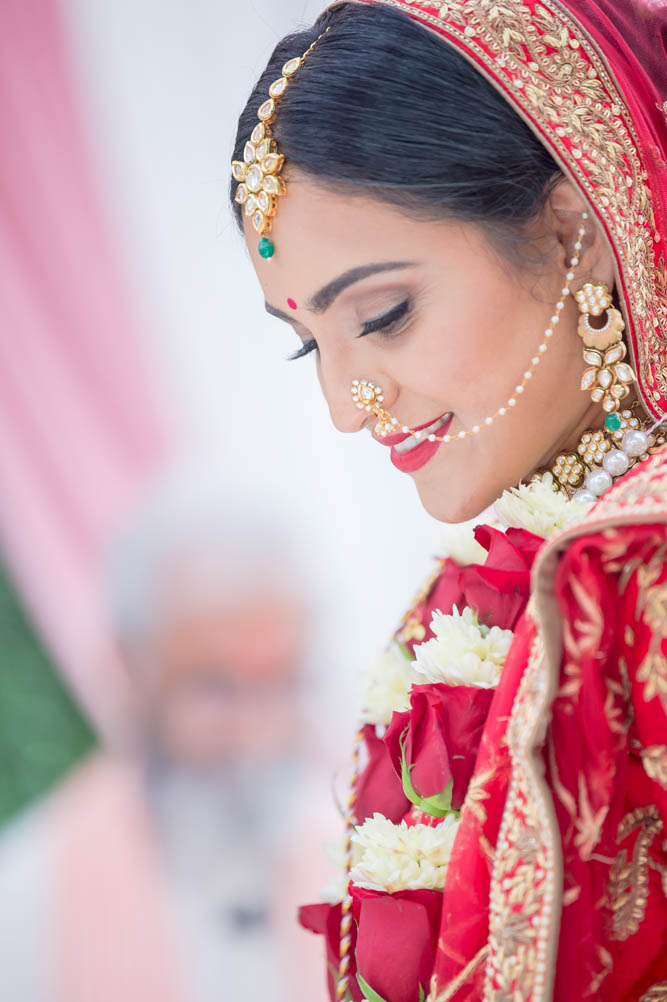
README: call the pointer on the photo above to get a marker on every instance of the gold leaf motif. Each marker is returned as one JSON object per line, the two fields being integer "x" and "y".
{"x": 657, "y": 992}
{"x": 654, "y": 759}
{"x": 588, "y": 823}
{"x": 628, "y": 879}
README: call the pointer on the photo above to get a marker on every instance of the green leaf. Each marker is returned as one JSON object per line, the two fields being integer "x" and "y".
{"x": 369, "y": 994}
{"x": 438, "y": 805}
{"x": 373, "y": 996}
{"x": 405, "y": 651}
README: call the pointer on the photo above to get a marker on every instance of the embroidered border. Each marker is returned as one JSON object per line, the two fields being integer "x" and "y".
{"x": 555, "y": 77}
{"x": 526, "y": 881}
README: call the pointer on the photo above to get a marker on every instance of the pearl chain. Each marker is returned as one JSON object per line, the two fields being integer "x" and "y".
{"x": 385, "y": 420}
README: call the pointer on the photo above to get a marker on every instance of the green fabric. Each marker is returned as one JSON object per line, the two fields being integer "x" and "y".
{"x": 42, "y": 731}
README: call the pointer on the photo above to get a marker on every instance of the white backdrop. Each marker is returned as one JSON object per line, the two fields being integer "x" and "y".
{"x": 162, "y": 83}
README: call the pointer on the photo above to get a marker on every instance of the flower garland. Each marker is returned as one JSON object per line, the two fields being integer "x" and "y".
{"x": 427, "y": 698}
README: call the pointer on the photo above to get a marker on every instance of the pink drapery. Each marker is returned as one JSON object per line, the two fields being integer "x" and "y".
{"x": 79, "y": 429}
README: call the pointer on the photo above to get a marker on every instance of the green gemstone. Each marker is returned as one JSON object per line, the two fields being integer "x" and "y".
{"x": 613, "y": 422}
{"x": 266, "y": 248}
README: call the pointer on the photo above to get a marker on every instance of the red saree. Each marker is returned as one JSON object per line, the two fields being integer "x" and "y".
{"x": 557, "y": 888}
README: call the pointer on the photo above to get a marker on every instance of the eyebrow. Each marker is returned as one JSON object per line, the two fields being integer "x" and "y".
{"x": 324, "y": 297}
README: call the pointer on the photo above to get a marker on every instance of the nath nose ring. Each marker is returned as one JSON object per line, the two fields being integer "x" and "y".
{"x": 368, "y": 397}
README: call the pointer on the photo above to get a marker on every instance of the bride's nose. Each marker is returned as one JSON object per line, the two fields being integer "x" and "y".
{"x": 349, "y": 396}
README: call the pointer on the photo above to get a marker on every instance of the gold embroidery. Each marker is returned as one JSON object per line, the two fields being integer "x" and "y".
{"x": 654, "y": 759}
{"x": 552, "y": 73}
{"x": 453, "y": 987}
{"x": 653, "y": 671}
{"x": 524, "y": 895}
{"x": 606, "y": 966}
{"x": 652, "y": 608}
{"x": 628, "y": 880}
{"x": 588, "y": 823}
{"x": 658, "y": 993}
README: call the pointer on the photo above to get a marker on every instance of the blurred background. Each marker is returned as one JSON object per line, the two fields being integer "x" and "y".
{"x": 182, "y": 616}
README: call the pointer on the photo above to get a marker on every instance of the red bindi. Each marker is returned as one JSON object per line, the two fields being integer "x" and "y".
{"x": 291, "y": 304}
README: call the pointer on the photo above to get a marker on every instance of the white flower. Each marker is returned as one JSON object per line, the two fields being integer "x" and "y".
{"x": 336, "y": 889}
{"x": 402, "y": 858}
{"x": 539, "y": 508}
{"x": 387, "y": 683}
{"x": 462, "y": 652}
{"x": 459, "y": 543}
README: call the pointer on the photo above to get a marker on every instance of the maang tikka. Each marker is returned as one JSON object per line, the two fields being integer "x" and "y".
{"x": 259, "y": 173}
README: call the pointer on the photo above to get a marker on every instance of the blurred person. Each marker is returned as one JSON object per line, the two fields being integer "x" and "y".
{"x": 173, "y": 871}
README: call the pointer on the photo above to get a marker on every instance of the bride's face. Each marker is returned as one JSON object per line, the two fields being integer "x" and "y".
{"x": 436, "y": 317}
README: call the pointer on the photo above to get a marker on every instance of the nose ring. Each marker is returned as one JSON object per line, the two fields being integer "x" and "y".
{"x": 369, "y": 396}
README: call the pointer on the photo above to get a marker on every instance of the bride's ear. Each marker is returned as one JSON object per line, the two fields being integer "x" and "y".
{"x": 567, "y": 206}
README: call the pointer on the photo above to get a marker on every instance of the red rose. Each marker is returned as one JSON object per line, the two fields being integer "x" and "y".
{"x": 379, "y": 789}
{"x": 397, "y": 939}
{"x": 324, "y": 920}
{"x": 498, "y": 590}
{"x": 436, "y": 743}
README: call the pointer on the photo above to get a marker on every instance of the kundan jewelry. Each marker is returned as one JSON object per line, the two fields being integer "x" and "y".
{"x": 259, "y": 173}
{"x": 604, "y": 454}
{"x": 608, "y": 374}
{"x": 369, "y": 396}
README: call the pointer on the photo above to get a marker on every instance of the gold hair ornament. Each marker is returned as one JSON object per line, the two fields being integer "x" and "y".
{"x": 369, "y": 396}
{"x": 259, "y": 173}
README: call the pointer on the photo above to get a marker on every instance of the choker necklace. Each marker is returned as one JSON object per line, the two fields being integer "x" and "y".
{"x": 605, "y": 454}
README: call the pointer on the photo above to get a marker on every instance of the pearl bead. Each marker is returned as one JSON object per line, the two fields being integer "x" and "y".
{"x": 488, "y": 420}
{"x": 405, "y": 429}
{"x": 535, "y": 360}
{"x": 512, "y": 402}
{"x": 598, "y": 481}
{"x": 502, "y": 412}
{"x": 519, "y": 389}
{"x": 616, "y": 462}
{"x": 431, "y": 438}
{"x": 462, "y": 434}
{"x": 548, "y": 332}
{"x": 635, "y": 442}
{"x": 583, "y": 495}
{"x": 542, "y": 348}
{"x": 475, "y": 429}
{"x": 527, "y": 375}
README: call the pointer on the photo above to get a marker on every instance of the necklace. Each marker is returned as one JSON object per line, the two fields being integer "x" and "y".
{"x": 605, "y": 454}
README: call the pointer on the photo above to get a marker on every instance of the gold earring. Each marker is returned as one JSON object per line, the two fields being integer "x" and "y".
{"x": 368, "y": 396}
{"x": 604, "y": 350}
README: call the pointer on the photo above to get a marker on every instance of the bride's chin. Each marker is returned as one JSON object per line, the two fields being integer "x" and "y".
{"x": 452, "y": 504}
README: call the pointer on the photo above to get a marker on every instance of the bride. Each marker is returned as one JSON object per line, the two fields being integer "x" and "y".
{"x": 460, "y": 207}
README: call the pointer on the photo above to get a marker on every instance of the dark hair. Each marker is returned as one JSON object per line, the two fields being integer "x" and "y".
{"x": 384, "y": 107}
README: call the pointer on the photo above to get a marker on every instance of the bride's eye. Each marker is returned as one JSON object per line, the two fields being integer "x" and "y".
{"x": 389, "y": 322}
{"x": 304, "y": 350}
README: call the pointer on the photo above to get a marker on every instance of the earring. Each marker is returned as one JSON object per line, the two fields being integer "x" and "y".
{"x": 608, "y": 375}
{"x": 368, "y": 397}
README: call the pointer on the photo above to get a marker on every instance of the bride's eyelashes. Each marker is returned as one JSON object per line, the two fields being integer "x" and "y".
{"x": 386, "y": 325}
{"x": 304, "y": 350}
{"x": 390, "y": 322}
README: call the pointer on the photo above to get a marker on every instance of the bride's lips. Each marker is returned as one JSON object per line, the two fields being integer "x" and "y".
{"x": 418, "y": 455}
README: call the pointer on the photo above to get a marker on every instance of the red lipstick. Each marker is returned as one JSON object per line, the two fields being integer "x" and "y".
{"x": 414, "y": 459}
